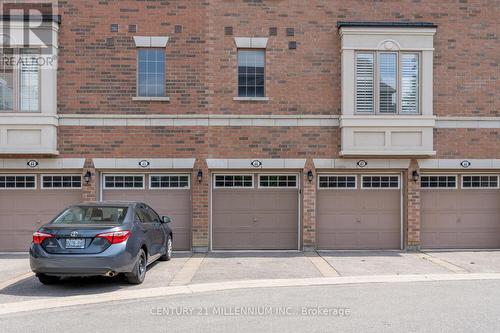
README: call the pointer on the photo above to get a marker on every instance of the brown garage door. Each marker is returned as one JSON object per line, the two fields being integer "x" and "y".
{"x": 358, "y": 212}
{"x": 26, "y": 204}
{"x": 465, "y": 215}
{"x": 252, "y": 212}
{"x": 167, "y": 194}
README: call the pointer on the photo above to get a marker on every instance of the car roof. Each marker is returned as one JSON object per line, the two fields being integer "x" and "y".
{"x": 109, "y": 204}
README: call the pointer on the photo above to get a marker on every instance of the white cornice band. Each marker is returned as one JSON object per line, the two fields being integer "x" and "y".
{"x": 143, "y": 163}
{"x": 361, "y": 164}
{"x": 247, "y": 120}
{"x": 256, "y": 163}
{"x": 42, "y": 164}
{"x": 459, "y": 164}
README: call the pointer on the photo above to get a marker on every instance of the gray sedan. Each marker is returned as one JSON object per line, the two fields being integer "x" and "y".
{"x": 101, "y": 239}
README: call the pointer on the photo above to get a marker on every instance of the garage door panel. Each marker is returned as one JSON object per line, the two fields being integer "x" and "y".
{"x": 24, "y": 211}
{"x": 175, "y": 203}
{"x": 255, "y": 218}
{"x": 460, "y": 218}
{"x": 358, "y": 218}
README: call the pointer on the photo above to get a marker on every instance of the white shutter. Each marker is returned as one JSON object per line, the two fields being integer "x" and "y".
{"x": 364, "y": 82}
{"x": 409, "y": 83}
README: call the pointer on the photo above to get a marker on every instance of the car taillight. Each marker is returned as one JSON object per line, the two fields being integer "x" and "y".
{"x": 39, "y": 237}
{"x": 115, "y": 237}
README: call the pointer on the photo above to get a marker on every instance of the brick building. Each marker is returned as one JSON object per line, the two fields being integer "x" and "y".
{"x": 258, "y": 124}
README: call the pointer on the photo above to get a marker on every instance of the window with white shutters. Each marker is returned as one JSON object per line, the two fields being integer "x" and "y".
{"x": 409, "y": 83}
{"x": 364, "y": 82}
{"x": 387, "y": 83}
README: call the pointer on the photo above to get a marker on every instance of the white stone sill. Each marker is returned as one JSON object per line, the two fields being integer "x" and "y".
{"x": 251, "y": 99}
{"x": 151, "y": 99}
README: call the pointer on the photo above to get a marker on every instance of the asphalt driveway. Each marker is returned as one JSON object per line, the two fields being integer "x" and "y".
{"x": 187, "y": 268}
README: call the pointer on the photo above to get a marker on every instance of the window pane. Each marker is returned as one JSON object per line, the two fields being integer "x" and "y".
{"x": 364, "y": 82}
{"x": 251, "y": 73}
{"x": 151, "y": 73}
{"x": 409, "y": 83}
{"x": 6, "y": 81}
{"x": 29, "y": 91}
{"x": 388, "y": 83}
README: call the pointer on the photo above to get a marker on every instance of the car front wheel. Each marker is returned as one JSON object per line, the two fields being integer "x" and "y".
{"x": 139, "y": 273}
{"x": 168, "y": 252}
{"x": 48, "y": 279}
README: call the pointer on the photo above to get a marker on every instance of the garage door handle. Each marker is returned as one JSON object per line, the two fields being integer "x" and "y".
{"x": 254, "y": 220}
{"x": 459, "y": 220}
{"x": 358, "y": 220}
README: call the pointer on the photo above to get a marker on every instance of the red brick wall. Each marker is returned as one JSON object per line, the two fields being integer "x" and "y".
{"x": 97, "y": 68}
{"x": 214, "y": 142}
{"x": 467, "y": 143}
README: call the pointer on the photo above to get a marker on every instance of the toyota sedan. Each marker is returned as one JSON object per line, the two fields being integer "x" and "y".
{"x": 101, "y": 239}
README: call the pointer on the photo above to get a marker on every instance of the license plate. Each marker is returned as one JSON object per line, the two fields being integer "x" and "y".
{"x": 75, "y": 243}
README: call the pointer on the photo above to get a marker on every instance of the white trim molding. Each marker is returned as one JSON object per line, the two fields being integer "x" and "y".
{"x": 459, "y": 164}
{"x": 143, "y": 163}
{"x": 43, "y": 164}
{"x": 198, "y": 120}
{"x": 250, "y": 42}
{"x": 243, "y": 120}
{"x": 269, "y": 163}
{"x": 361, "y": 164}
{"x": 151, "y": 41}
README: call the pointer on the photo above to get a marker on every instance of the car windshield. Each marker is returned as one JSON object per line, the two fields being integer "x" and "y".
{"x": 92, "y": 215}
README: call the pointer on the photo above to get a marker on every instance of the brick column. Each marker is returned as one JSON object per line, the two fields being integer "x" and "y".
{"x": 200, "y": 202}
{"x": 309, "y": 208}
{"x": 89, "y": 190}
{"x": 413, "y": 208}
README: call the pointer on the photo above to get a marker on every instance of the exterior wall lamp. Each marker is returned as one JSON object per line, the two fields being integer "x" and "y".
{"x": 199, "y": 176}
{"x": 415, "y": 176}
{"x": 87, "y": 177}
{"x": 310, "y": 176}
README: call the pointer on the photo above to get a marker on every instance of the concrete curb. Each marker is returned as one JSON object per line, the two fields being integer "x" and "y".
{"x": 44, "y": 304}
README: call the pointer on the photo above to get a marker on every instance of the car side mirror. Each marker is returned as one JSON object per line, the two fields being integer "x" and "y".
{"x": 166, "y": 219}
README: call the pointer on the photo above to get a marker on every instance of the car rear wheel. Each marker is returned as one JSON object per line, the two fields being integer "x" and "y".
{"x": 48, "y": 279}
{"x": 168, "y": 252}
{"x": 139, "y": 273}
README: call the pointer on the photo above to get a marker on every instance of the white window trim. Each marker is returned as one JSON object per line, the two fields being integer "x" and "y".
{"x": 381, "y": 188}
{"x": 337, "y": 188}
{"x": 20, "y": 188}
{"x": 232, "y": 187}
{"x": 437, "y": 175}
{"x": 104, "y": 187}
{"x": 251, "y": 42}
{"x": 169, "y": 188}
{"x": 479, "y": 188}
{"x": 151, "y": 41}
{"x": 61, "y": 188}
{"x": 278, "y": 174}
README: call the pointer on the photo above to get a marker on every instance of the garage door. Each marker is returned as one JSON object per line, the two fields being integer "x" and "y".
{"x": 460, "y": 211}
{"x": 167, "y": 194}
{"x": 252, "y": 212}
{"x": 29, "y": 201}
{"x": 358, "y": 212}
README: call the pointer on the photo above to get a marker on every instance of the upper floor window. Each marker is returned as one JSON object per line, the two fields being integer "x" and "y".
{"x": 387, "y": 82}
{"x": 19, "y": 80}
{"x": 151, "y": 72}
{"x": 251, "y": 65}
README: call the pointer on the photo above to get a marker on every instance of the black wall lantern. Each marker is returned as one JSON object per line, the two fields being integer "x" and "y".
{"x": 87, "y": 177}
{"x": 415, "y": 176}
{"x": 310, "y": 176}
{"x": 199, "y": 176}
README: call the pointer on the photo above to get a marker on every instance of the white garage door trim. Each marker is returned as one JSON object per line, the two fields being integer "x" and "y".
{"x": 299, "y": 206}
